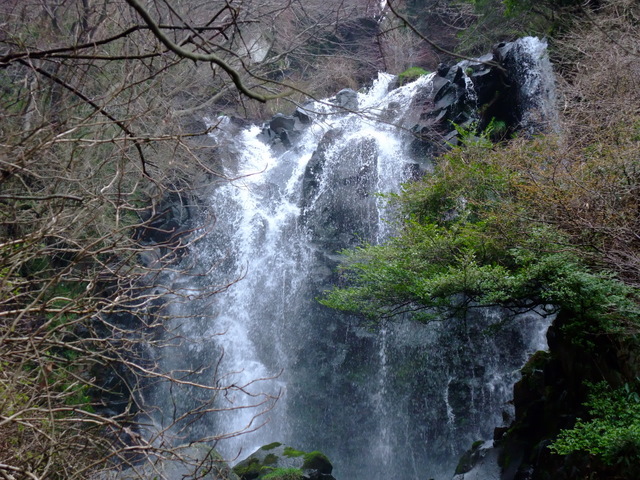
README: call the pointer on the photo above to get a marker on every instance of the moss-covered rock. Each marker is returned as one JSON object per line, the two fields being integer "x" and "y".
{"x": 481, "y": 461}
{"x": 469, "y": 458}
{"x": 550, "y": 397}
{"x": 271, "y": 446}
{"x": 411, "y": 74}
{"x": 285, "y": 474}
{"x": 281, "y": 462}
{"x": 292, "y": 452}
{"x": 249, "y": 469}
{"x": 271, "y": 459}
{"x": 317, "y": 461}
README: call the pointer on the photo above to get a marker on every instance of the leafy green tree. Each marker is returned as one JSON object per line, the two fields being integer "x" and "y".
{"x": 612, "y": 434}
{"x": 550, "y": 221}
{"x": 467, "y": 238}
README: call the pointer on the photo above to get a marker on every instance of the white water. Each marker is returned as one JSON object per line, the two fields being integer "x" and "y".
{"x": 277, "y": 249}
{"x": 401, "y": 402}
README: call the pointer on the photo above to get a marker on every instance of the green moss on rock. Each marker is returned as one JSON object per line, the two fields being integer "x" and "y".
{"x": 284, "y": 474}
{"x": 317, "y": 461}
{"x": 411, "y": 74}
{"x": 469, "y": 458}
{"x": 280, "y": 462}
{"x": 249, "y": 470}
{"x": 537, "y": 362}
{"x": 271, "y": 446}
{"x": 292, "y": 452}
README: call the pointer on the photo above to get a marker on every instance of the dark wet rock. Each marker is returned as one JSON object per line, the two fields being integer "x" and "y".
{"x": 524, "y": 101}
{"x": 284, "y": 130}
{"x": 303, "y": 115}
{"x": 479, "y": 463}
{"x": 498, "y": 88}
{"x": 164, "y": 228}
{"x": 338, "y": 221}
{"x": 550, "y": 397}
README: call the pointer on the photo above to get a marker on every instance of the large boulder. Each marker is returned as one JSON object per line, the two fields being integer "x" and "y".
{"x": 280, "y": 462}
{"x": 346, "y": 99}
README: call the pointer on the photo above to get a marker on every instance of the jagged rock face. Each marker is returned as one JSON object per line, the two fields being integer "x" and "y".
{"x": 501, "y": 87}
{"x": 527, "y": 103}
{"x": 507, "y": 86}
{"x": 337, "y": 199}
{"x": 284, "y": 130}
{"x": 498, "y": 87}
{"x": 551, "y": 396}
{"x": 382, "y": 404}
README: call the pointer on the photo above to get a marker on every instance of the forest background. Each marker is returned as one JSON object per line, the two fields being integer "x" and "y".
{"x": 101, "y": 101}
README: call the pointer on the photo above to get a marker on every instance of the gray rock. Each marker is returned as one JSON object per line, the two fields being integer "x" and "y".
{"x": 283, "y": 130}
{"x": 303, "y": 115}
{"x": 343, "y": 212}
{"x": 186, "y": 462}
{"x": 347, "y": 99}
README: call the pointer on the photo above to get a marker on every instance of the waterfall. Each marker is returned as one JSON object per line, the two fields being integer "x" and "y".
{"x": 400, "y": 401}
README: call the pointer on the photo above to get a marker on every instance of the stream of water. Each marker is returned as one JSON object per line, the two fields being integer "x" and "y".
{"x": 399, "y": 401}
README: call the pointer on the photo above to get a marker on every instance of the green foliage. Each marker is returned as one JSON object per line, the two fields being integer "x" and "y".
{"x": 496, "y": 129}
{"x": 284, "y": 474}
{"x": 411, "y": 74}
{"x": 612, "y": 433}
{"x": 292, "y": 452}
{"x": 466, "y": 239}
{"x": 271, "y": 446}
{"x": 472, "y": 136}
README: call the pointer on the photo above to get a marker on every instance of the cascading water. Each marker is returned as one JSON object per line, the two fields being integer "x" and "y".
{"x": 401, "y": 401}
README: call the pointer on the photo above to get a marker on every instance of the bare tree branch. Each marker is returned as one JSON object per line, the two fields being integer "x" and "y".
{"x": 195, "y": 56}
{"x": 433, "y": 44}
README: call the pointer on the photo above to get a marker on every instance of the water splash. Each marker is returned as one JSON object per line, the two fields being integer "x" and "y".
{"x": 400, "y": 402}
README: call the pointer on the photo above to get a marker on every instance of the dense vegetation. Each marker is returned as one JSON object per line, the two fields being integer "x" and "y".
{"x": 471, "y": 229}
{"x": 101, "y": 159}
{"x": 548, "y": 222}
{"x": 613, "y": 431}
